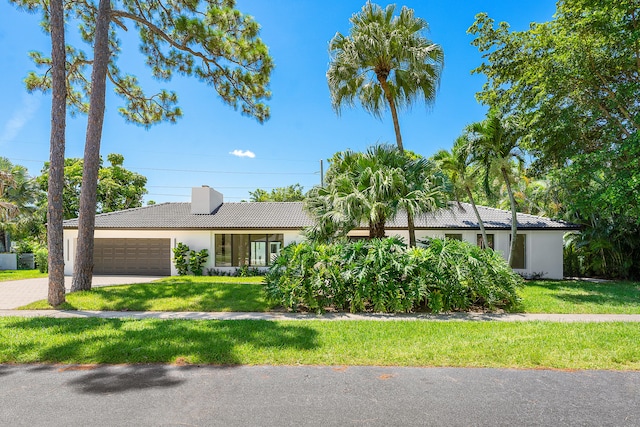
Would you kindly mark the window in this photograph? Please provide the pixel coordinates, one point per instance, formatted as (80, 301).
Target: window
(453, 236)
(238, 250)
(519, 254)
(223, 250)
(489, 238)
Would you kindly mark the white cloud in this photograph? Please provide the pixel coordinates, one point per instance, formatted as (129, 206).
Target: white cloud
(240, 153)
(20, 117)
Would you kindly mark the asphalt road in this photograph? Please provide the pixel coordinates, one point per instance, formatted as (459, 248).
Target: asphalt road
(159, 395)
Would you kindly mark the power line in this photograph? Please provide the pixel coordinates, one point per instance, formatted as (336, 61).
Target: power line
(190, 170)
(224, 172)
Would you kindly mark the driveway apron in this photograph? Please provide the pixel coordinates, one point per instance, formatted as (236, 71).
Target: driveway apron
(17, 293)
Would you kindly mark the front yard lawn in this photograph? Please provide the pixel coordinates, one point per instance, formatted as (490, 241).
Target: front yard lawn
(6, 275)
(254, 342)
(177, 293)
(189, 293)
(580, 297)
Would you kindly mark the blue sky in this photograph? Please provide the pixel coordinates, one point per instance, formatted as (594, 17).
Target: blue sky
(303, 127)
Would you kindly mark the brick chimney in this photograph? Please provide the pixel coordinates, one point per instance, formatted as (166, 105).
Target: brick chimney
(205, 200)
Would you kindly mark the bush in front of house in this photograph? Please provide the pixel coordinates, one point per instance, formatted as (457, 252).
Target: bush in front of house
(383, 275)
(186, 260)
(197, 261)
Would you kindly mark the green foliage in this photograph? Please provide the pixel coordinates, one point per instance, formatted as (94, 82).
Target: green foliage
(244, 271)
(180, 253)
(42, 259)
(197, 261)
(186, 260)
(24, 247)
(291, 193)
(371, 188)
(19, 217)
(572, 84)
(382, 275)
(208, 40)
(385, 61)
(118, 188)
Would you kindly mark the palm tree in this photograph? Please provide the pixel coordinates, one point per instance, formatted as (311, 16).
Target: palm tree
(385, 61)
(372, 187)
(494, 146)
(18, 194)
(457, 164)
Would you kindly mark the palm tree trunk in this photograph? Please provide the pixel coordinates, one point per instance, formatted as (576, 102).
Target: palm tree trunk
(377, 230)
(396, 127)
(55, 240)
(514, 218)
(412, 230)
(83, 268)
(394, 112)
(485, 240)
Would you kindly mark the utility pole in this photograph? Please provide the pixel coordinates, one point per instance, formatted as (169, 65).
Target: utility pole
(321, 173)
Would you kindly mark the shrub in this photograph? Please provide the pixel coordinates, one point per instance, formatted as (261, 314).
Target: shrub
(382, 275)
(197, 261)
(180, 253)
(42, 259)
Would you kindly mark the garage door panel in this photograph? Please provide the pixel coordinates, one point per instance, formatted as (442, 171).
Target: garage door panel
(132, 256)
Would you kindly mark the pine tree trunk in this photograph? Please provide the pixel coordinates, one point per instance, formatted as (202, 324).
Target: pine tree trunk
(485, 240)
(55, 240)
(83, 268)
(514, 219)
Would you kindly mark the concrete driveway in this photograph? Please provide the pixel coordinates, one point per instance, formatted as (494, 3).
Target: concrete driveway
(17, 293)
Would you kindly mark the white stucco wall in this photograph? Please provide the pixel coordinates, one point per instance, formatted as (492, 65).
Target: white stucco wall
(543, 249)
(195, 239)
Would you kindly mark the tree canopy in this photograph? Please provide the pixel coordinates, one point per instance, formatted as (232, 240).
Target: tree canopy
(371, 188)
(290, 193)
(118, 187)
(385, 61)
(573, 85)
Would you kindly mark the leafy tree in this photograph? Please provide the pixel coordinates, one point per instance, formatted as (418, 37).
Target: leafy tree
(291, 193)
(117, 187)
(209, 40)
(457, 164)
(371, 188)
(573, 82)
(385, 62)
(494, 146)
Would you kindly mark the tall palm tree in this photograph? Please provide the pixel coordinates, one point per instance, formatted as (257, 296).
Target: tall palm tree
(457, 164)
(494, 146)
(385, 61)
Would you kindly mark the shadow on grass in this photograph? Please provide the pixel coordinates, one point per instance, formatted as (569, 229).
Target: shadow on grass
(179, 296)
(582, 293)
(116, 341)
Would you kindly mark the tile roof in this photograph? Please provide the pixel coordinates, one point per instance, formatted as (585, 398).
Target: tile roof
(291, 215)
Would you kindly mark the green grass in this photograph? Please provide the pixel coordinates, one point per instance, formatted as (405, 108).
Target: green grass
(189, 293)
(177, 293)
(580, 297)
(397, 343)
(6, 275)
